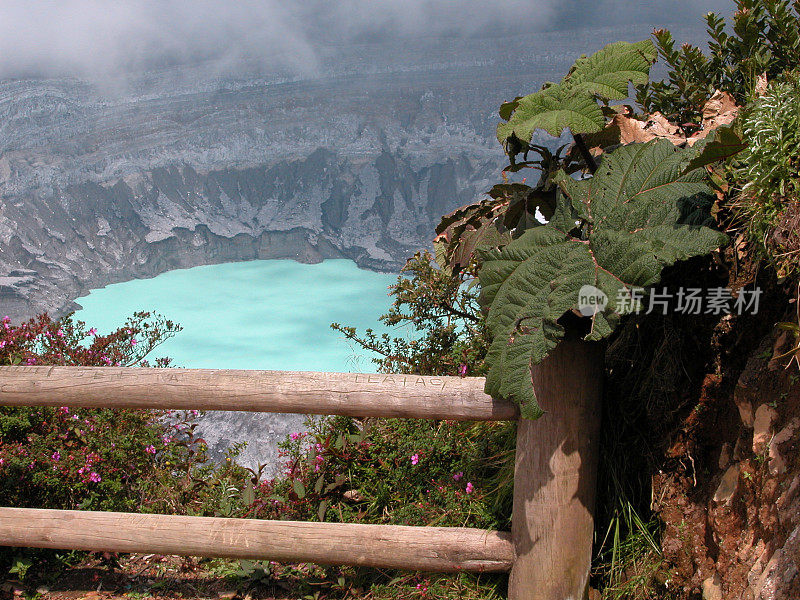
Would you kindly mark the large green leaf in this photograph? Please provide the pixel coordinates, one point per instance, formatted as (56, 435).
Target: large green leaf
(720, 145)
(607, 73)
(553, 109)
(572, 104)
(630, 215)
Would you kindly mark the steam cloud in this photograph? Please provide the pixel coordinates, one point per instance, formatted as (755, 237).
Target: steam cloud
(100, 37)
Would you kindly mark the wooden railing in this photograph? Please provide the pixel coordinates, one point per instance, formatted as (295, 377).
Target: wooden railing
(547, 552)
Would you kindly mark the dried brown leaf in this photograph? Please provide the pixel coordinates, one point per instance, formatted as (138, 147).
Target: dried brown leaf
(761, 85)
(721, 109)
(655, 126)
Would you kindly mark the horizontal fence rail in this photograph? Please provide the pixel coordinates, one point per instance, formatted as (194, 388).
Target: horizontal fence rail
(439, 549)
(353, 394)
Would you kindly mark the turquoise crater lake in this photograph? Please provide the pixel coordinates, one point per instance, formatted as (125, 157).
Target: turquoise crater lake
(262, 314)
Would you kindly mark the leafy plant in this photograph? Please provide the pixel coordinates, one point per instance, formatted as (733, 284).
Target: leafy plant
(573, 103)
(20, 566)
(615, 231)
(770, 168)
(254, 572)
(762, 41)
(578, 103)
(508, 211)
(444, 330)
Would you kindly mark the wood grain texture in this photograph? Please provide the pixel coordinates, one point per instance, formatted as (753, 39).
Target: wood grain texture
(555, 477)
(439, 549)
(351, 394)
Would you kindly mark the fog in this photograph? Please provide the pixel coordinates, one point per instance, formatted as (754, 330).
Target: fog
(96, 38)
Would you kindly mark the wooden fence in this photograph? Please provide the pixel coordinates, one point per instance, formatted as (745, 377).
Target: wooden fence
(548, 551)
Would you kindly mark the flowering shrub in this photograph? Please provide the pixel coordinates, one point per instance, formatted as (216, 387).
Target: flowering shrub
(407, 472)
(100, 459)
(341, 470)
(390, 471)
(45, 341)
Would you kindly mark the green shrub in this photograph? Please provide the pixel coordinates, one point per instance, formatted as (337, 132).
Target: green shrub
(770, 170)
(391, 471)
(102, 459)
(763, 38)
(442, 329)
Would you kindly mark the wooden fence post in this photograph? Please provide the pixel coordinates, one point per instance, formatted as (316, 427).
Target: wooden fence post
(555, 477)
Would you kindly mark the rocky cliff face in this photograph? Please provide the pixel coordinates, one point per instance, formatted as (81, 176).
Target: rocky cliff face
(732, 525)
(376, 211)
(113, 180)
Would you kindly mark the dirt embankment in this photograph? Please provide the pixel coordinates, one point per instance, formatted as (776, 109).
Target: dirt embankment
(729, 494)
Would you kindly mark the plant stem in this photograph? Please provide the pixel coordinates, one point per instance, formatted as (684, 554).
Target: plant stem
(580, 143)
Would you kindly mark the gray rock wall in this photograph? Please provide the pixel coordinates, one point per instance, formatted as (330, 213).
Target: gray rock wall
(110, 180)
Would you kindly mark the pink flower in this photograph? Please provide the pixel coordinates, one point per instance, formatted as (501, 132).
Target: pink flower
(94, 477)
(150, 449)
(2, 344)
(469, 488)
(294, 436)
(458, 476)
(414, 459)
(133, 342)
(93, 331)
(56, 455)
(60, 333)
(462, 370)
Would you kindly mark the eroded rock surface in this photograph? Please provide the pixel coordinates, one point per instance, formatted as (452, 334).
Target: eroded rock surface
(102, 182)
(733, 531)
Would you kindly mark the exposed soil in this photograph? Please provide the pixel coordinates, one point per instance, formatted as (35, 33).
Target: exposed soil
(142, 576)
(727, 481)
(730, 505)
